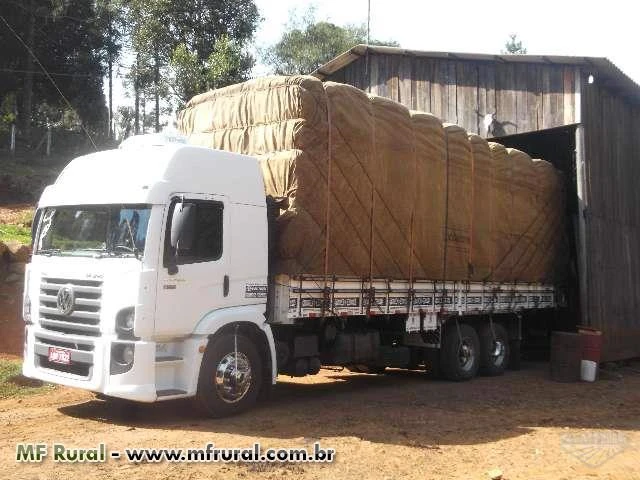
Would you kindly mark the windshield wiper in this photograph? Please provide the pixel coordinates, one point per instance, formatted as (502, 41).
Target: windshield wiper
(112, 252)
(133, 240)
(124, 249)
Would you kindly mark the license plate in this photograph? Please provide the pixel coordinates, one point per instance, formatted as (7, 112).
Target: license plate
(59, 355)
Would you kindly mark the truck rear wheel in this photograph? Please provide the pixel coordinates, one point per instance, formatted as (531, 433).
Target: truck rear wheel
(494, 350)
(460, 358)
(230, 376)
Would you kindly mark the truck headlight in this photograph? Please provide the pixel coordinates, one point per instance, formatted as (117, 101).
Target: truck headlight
(26, 309)
(125, 322)
(26, 301)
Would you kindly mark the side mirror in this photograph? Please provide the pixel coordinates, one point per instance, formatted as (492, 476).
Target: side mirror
(183, 224)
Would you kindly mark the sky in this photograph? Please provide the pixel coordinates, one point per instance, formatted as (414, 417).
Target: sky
(546, 27)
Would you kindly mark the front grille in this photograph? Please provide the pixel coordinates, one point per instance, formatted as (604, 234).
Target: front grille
(84, 318)
(64, 343)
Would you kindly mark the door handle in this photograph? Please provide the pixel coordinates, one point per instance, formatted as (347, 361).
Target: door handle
(225, 286)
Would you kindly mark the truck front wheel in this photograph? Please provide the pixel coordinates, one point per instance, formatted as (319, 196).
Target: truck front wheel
(460, 358)
(230, 376)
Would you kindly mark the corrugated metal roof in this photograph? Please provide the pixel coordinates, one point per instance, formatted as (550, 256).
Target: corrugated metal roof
(602, 68)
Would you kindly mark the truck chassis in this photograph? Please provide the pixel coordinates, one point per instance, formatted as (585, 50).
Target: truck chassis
(369, 325)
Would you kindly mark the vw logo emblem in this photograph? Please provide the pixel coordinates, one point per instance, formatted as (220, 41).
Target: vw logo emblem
(65, 300)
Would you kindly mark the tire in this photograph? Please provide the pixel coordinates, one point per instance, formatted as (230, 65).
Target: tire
(514, 355)
(218, 393)
(494, 353)
(433, 359)
(460, 355)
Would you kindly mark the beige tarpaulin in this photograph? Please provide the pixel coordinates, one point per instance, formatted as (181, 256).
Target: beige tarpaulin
(482, 255)
(458, 213)
(368, 189)
(431, 193)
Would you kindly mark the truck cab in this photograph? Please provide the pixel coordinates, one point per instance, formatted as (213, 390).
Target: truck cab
(147, 260)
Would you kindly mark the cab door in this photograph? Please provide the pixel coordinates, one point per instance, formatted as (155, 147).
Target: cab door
(193, 278)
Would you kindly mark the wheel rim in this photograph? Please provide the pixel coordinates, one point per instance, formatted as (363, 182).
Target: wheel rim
(498, 352)
(233, 377)
(466, 355)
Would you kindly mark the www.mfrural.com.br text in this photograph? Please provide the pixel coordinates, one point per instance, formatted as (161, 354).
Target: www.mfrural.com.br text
(59, 452)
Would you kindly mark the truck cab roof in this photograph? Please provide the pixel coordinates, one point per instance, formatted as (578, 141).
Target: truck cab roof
(149, 174)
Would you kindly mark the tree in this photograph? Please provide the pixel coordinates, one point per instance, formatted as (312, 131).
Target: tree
(184, 48)
(514, 46)
(151, 36)
(111, 21)
(124, 119)
(66, 40)
(307, 44)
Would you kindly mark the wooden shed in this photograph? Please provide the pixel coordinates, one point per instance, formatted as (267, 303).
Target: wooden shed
(581, 113)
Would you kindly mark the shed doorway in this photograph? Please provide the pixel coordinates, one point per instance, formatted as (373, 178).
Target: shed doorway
(558, 146)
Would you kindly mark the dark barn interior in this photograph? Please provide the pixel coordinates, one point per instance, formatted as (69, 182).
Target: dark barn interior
(557, 145)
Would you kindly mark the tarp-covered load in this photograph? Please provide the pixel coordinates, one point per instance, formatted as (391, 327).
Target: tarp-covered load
(367, 188)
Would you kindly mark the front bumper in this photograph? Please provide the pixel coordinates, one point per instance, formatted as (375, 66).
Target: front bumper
(90, 364)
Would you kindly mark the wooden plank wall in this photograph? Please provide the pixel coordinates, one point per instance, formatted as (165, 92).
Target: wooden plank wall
(612, 164)
(524, 96)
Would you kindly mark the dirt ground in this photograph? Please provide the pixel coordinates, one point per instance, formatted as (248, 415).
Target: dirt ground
(11, 324)
(399, 425)
(14, 213)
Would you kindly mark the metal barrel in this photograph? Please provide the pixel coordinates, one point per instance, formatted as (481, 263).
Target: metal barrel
(591, 344)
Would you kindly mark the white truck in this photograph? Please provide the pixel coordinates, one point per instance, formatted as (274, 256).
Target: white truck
(149, 281)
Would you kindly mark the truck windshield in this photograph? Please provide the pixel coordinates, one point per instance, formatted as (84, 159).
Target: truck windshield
(93, 230)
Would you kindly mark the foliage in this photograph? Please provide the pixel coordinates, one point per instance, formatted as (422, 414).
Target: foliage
(185, 48)
(111, 21)
(180, 49)
(228, 63)
(7, 112)
(513, 46)
(13, 384)
(15, 233)
(307, 44)
(67, 40)
(187, 71)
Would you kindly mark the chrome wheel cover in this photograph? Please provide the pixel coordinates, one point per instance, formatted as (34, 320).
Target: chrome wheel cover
(466, 355)
(233, 377)
(498, 352)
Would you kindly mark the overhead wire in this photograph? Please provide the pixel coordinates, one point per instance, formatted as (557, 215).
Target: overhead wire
(53, 74)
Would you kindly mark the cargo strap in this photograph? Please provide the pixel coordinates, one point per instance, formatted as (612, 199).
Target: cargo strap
(327, 223)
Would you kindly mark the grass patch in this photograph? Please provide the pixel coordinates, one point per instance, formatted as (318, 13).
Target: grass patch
(18, 233)
(13, 384)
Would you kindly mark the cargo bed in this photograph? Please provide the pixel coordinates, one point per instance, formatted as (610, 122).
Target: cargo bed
(312, 296)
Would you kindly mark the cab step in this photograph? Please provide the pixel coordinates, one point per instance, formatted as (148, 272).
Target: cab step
(168, 360)
(170, 392)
